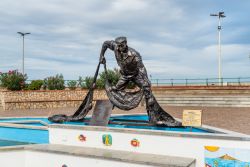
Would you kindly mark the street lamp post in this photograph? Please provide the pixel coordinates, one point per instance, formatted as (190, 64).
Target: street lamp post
(219, 15)
(23, 34)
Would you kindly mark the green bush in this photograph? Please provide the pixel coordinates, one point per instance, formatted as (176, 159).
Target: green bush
(54, 82)
(81, 82)
(35, 85)
(13, 80)
(88, 82)
(113, 77)
(100, 84)
(72, 84)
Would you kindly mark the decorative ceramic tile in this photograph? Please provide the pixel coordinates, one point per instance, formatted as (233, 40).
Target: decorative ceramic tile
(82, 138)
(135, 143)
(228, 157)
(107, 139)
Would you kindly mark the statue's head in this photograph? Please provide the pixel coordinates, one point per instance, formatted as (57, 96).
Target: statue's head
(121, 43)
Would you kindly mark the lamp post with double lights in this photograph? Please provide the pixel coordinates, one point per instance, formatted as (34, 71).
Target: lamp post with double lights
(23, 34)
(219, 15)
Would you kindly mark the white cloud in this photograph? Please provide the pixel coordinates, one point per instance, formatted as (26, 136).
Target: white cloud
(129, 5)
(176, 39)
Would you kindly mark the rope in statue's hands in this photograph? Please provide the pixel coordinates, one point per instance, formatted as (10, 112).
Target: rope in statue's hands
(103, 61)
(95, 77)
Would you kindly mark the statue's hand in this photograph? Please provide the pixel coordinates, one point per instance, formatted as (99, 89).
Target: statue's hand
(94, 86)
(102, 60)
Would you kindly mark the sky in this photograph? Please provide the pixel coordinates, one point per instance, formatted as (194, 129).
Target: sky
(176, 38)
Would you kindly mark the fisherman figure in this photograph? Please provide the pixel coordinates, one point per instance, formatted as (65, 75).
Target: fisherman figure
(132, 69)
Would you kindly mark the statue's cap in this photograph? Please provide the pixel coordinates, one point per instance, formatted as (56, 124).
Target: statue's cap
(120, 39)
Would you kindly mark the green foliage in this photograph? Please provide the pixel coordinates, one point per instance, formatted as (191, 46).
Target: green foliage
(88, 82)
(113, 77)
(72, 84)
(100, 84)
(81, 83)
(54, 82)
(35, 85)
(13, 80)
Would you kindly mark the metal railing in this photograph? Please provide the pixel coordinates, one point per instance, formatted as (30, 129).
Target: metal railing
(240, 81)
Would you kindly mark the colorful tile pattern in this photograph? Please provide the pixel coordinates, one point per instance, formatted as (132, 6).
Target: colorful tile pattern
(229, 157)
(107, 139)
(135, 143)
(82, 138)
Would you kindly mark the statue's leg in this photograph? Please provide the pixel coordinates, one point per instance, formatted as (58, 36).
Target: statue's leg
(143, 82)
(121, 84)
(157, 116)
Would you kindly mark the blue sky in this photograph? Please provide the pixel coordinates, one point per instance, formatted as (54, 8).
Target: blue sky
(176, 38)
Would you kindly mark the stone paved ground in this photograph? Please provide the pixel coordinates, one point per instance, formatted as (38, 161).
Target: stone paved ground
(231, 118)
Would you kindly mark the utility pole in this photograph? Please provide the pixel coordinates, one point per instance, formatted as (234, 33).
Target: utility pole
(219, 15)
(23, 34)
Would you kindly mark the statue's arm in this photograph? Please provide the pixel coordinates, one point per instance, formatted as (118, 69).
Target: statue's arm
(140, 64)
(106, 45)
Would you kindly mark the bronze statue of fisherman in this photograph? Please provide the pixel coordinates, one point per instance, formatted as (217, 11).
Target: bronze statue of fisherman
(133, 70)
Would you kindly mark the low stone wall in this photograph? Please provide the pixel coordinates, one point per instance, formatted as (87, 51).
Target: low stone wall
(46, 99)
(12, 100)
(1, 100)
